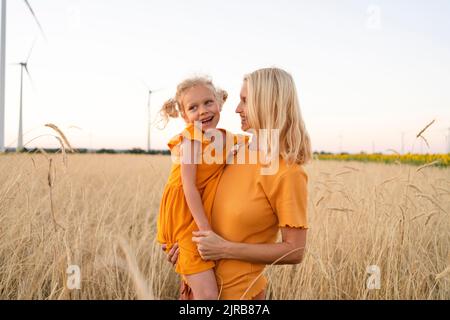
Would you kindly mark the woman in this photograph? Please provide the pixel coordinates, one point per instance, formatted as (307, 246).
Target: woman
(250, 207)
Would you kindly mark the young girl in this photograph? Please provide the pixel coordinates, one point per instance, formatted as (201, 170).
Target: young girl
(187, 198)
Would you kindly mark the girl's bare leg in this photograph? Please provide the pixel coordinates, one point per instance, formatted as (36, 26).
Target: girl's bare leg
(203, 285)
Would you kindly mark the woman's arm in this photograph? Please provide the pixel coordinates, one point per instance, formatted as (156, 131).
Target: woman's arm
(290, 251)
(190, 151)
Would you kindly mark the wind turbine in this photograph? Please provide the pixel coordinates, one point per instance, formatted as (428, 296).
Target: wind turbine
(2, 64)
(149, 124)
(2, 74)
(23, 66)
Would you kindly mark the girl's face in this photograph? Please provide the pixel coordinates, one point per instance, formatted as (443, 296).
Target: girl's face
(242, 107)
(200, 104)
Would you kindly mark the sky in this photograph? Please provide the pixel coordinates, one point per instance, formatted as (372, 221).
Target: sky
(366, 71)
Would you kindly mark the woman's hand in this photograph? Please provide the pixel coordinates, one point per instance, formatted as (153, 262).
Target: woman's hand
(172, 255)
(210, 245)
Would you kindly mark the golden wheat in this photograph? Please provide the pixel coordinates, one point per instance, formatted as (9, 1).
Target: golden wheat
(390, 216)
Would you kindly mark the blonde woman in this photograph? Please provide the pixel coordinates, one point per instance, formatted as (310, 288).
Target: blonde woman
(250, 208)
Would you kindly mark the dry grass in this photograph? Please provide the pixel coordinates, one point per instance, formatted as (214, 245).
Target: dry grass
(98, 211)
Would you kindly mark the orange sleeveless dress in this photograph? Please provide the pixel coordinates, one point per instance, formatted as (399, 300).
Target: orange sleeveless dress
(175, 222)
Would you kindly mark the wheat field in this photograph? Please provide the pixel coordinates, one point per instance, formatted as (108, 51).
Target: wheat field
(98, 212)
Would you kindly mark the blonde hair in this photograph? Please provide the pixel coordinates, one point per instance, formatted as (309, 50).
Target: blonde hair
(272, 103)
(173, 107)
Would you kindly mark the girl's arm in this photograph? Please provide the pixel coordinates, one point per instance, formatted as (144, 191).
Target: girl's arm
(191, 151)
(290, 251)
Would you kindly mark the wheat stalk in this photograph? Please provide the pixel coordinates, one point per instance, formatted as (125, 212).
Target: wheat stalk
(341, 209)
(61, 134)
(443, 273)
(143, 291)
(394, 151)
(343, 172)
(423, 130)
(428, 165)
(51, 179)
(262, 272)
(431, 200)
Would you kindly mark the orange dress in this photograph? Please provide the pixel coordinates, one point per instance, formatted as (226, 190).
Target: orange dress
(175, 222)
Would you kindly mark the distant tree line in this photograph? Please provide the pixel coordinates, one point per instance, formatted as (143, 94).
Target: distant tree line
(85, 150)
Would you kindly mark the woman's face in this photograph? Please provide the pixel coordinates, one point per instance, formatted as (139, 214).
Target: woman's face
(242, 107)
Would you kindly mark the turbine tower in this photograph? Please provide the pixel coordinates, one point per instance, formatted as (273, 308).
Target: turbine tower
(2, 64)
(149, 120)
(149, 123)
(23, 66)
(2, 73)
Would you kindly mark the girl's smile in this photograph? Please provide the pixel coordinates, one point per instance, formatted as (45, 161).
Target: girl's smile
(201, 105)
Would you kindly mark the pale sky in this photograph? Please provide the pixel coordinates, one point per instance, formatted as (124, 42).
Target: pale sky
(366, 71)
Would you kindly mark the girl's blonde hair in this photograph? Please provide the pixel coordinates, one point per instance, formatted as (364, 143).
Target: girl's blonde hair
(272, 103)
(173, 107)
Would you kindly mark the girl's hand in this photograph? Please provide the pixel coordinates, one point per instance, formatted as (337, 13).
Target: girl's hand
(172, 255)
(210, 245)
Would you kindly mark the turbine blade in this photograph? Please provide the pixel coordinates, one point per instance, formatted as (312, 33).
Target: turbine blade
(29, 76)
(35, 18)
(31, 49)
(145, 85)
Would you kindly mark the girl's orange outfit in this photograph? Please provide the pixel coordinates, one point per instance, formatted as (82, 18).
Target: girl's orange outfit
(175, 221)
